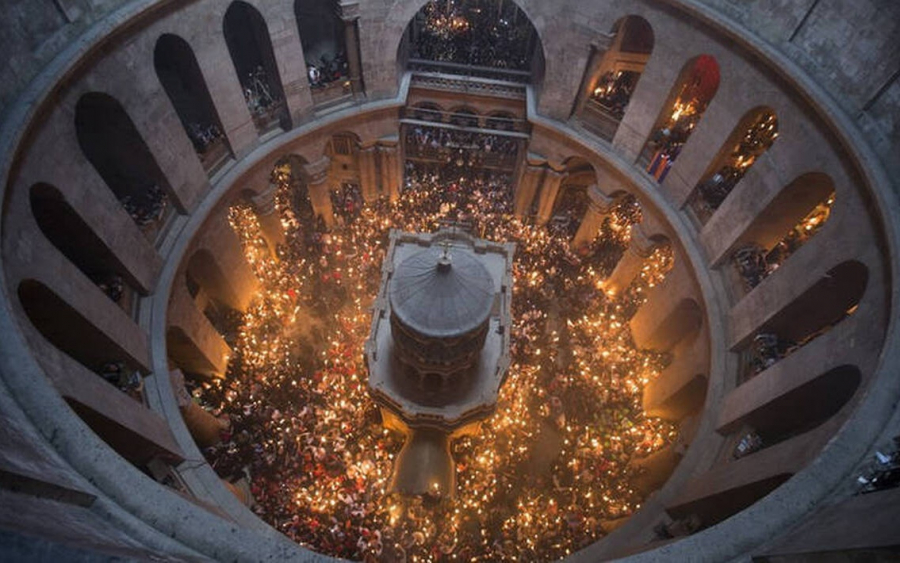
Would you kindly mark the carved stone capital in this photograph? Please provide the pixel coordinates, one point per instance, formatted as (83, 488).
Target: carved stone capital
(348, 10)
(316, 172)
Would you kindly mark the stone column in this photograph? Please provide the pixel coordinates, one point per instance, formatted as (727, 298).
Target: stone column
(599, 48)
(348, 11)
(526, 189)
(269, 219)
(368, 173)
(315, 174)
(549, 191)
(390, 169)
(599, 206)
(629, 266)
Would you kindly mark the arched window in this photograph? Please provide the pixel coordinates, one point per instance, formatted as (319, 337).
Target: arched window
(112, 144)
(752, 137)
(78, 242)
(77, 337)
(346, 193)
(798, 411)
(826, 303)
(428, 111)
(324, 48)
(572, 200)
(611, 80)
(213, 294)
(464, 117)
(489, 39)
(502, 121)
(251, 51)
(180, 75)
(793, 217)
(693, 91)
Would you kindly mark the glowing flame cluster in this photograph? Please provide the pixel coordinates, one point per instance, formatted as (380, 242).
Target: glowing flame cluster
(547, 471)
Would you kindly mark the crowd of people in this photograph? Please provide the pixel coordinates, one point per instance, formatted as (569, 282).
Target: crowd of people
(148, 207)
(462, 148)
(547, 470)
(489, 33)
(613, 92)
(754, 263)
(328, 70)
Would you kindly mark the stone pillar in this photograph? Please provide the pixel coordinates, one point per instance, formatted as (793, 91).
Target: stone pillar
(526, 189)
(390, 169)
(348, 11)
(599, 48)
(205, 428)
(368, 173)
(549, 191)
(315, 174)
(599, 206)
(269, 219)
(629, 266)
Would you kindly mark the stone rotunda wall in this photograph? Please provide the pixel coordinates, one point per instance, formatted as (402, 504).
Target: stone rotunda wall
(836, 96)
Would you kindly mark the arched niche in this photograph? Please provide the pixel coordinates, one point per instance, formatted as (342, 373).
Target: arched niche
(501, 121)
(688, 99)
(181, 78)
(827, 302)
(572, 201)
(804, 408)
(428, 111)
(323, 39)
(78, 242)
(799, 211)
(113, 145)
(345, 173)
(70, 332)
(491, 39)
(464, 117)
(611, 78)
(750, 139)
(184, 353)
(250, 46)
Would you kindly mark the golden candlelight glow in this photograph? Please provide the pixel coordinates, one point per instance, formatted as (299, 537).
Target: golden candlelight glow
(545, 471)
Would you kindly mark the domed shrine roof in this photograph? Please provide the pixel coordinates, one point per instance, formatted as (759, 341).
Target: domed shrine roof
(440, 293)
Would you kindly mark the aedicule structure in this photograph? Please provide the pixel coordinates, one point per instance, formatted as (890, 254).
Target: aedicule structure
(439, 347)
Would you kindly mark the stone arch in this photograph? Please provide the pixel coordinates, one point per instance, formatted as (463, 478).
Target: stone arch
(70, 332)
(688, 99)
(525, 65)
(501, 120)
(250, 46)
(180, 75)
(110, 141)
(78, 242)
(203, 272)
(611, 77)
(572, 201)
(321, 34)
(187, 356)
(827, 302)
(428, 111)
(799, 211)
(464, 116)
(751, 138)
(803, 408)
